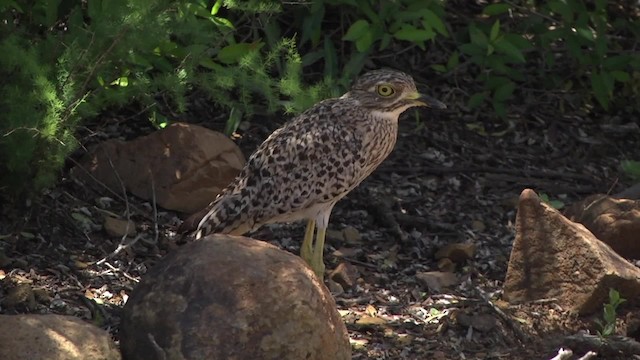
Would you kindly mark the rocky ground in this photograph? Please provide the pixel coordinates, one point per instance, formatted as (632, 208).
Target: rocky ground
(454, 177)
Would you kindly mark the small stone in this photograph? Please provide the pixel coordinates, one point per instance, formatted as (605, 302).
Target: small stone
(370, 320)
(335, 288)
(345, 274)
(80, 265)
(41, 295)
(348, 252)
(480, 322)
(437, 280)
(446, 265)
(458, 253)
(119, 227)
(22, 294)
(478, 226)
(335, 235)
(352, 235)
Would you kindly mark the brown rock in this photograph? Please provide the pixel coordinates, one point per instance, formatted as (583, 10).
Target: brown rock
(480, 322)
(21, 294)
(189, 166)
(436, 280)
(613, 221)
(446, 265)
(229, 297)
(53, 337)
(345, 274)
(553, 257)
(119, 227)
(457, 253)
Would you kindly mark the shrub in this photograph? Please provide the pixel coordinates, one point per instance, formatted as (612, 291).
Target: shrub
(66, 61)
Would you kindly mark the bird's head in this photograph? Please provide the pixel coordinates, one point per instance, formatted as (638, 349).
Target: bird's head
(389, 92)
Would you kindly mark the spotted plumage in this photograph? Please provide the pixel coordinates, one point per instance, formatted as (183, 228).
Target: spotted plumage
(303, 168)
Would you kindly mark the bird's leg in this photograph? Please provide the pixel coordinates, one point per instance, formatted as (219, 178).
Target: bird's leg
(305, 249)
(317, 261)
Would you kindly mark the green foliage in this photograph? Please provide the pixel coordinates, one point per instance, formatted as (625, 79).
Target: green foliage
(68, 60)
(631, 168)
(571, 45)
(608, 323)
(494, 52)
(366, 27)
(554, 203)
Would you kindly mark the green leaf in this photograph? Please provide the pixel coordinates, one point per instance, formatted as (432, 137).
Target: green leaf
(122, 81)
(355, 65)
(330, 59)
(385, 41)
(472, 49)
(621, 76)
(439, 68)
(233, 122)
(618, 62)
(504, 92)
(585, 33)
(496, 9)
(453, 61)
(499, 108)
(216, 7)
(364, 42)
(413, 34)
(561, 7)
(495, 30)
(477, 99)
(507, 48)
(631, 168)
(357, 30)
(435, 22)
(233, 53)
(477, 36)
(600, 89)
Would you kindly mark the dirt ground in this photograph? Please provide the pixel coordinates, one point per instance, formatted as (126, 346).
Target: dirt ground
(454, 177)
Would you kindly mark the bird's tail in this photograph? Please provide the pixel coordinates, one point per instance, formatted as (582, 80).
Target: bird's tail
(226, 215)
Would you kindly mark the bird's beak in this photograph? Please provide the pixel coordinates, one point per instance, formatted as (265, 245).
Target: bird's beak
(428, 101)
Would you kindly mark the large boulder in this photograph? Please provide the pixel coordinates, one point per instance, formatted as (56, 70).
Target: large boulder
(613, 221)
(53, 337)
(553, 257)
(184, 166)
(229, 297)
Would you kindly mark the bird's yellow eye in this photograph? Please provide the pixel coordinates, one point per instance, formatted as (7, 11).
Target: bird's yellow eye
(385, 90)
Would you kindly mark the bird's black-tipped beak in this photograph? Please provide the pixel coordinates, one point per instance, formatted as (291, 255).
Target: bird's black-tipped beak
(428, 101)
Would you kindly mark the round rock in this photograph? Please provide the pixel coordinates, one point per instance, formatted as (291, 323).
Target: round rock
(230, 297)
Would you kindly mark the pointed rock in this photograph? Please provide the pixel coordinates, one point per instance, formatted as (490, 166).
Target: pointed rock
(553, 257)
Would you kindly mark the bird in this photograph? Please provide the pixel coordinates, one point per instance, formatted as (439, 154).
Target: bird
(311, 162)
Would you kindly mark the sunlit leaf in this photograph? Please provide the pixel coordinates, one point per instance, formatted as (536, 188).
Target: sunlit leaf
(233, 53)
(357, 30)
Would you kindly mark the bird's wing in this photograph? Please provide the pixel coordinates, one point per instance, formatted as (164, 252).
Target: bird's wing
(315, 158)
